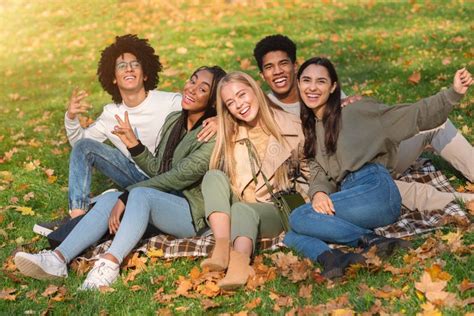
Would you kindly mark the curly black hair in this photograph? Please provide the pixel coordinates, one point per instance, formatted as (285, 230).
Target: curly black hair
(273, 43)
(144, 53)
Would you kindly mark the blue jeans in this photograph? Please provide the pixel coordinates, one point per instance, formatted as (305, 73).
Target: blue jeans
(168, 212)
(368, 198)
(88, 153)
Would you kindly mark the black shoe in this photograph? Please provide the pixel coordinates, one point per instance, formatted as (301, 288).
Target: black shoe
(384, 246)
(46, 228)
(335, 262)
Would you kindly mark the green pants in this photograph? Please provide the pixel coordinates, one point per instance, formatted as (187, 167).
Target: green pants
(250, 220)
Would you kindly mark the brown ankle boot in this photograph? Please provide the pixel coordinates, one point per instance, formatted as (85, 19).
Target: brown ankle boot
(238, 272)
(219, 259)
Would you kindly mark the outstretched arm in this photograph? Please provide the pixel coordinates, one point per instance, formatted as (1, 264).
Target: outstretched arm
(403, 121)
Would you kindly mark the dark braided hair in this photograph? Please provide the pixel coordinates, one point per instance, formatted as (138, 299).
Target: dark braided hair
(144, 53)
(331, 116)
(179, 127)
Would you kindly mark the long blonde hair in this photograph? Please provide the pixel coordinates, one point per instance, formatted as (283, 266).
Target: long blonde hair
(222, 157)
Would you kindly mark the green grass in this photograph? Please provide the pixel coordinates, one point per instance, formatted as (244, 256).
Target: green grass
(50, 47)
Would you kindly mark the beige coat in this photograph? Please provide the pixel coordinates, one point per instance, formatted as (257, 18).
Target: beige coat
(276, 154)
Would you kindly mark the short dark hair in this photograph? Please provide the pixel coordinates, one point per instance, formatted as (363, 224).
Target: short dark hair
(273, 43)
(144, 53)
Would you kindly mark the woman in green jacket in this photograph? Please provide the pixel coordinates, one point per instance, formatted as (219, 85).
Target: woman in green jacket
(353, 151)
(171, 199)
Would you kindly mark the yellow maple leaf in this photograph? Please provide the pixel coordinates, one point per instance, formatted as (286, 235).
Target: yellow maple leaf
(25, 210)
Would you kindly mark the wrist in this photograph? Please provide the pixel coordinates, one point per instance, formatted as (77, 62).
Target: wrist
(70, 115)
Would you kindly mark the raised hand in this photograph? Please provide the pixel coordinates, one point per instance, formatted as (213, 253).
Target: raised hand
(125, 132)
(76, 104)
(322, 204)
(462, 81)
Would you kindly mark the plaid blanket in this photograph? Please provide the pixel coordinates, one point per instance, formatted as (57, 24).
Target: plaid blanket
(409, 223)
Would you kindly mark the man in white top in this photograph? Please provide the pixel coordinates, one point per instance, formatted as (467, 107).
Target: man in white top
(128, 70)
(276, 59)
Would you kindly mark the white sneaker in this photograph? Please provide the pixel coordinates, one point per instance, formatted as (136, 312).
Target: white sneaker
(104, 273)
(42, 266)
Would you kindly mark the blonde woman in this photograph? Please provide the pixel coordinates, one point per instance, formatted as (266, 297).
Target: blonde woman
(254, 141)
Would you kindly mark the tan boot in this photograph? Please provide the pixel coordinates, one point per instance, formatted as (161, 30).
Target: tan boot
(238, 272)
(219, 259)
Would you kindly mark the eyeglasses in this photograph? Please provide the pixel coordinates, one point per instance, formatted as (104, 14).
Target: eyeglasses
(122, 66)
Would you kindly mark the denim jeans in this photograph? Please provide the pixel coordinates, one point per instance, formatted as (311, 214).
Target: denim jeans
(88, 153)
(368, 198)
(168, 212)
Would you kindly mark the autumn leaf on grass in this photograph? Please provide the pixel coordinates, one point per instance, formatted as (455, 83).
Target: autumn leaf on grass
(28, 196)
(305, 291)
(388, 292)
(7, 294)
(429, 310)
(106, 289)
(415, 77)
(433, 291)
(280, 301)
(291, 266)
(61, 294)
(182, 50)
(373, 262)
(454, 242)
(469, 187)
(465, 285)
(184, 286)
(437, 273)
(50, 290)
(24, 210)
(253, 303)
(32, 165)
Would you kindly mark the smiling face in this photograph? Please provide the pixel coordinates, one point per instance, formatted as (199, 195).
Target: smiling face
(315, 86)
(241, 102)
(128, 74)
(196, 91)
(279, 72)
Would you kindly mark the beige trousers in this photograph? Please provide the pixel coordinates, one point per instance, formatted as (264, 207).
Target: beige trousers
(452, 147)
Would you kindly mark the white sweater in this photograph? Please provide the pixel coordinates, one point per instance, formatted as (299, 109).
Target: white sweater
(147, 119)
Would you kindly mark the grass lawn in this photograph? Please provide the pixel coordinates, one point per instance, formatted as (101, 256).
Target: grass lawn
(50, 47)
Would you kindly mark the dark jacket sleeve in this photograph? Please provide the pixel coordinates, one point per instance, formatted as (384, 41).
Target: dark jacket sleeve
(404, 121)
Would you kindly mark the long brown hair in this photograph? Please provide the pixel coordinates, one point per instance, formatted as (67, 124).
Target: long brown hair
(331, 116)
(223, 155)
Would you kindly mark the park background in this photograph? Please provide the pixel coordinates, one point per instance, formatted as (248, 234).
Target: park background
(393, 51)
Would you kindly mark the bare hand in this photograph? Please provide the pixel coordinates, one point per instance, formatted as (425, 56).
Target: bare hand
(114, 218)
(76, 104)
(125, 132)
(462, 81)
(322, 204)
(350, 99)
(209, 129)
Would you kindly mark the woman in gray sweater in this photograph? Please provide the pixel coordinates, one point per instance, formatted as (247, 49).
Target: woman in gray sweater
(353, 150)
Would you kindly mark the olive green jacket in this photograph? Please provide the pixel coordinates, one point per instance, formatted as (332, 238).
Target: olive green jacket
(370, 133)
(190, 163)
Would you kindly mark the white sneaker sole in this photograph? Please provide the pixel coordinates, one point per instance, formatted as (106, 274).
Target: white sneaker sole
(43, 231)
(32, 270)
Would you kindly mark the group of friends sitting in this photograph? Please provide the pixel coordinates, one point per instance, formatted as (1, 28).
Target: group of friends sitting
(203, 158)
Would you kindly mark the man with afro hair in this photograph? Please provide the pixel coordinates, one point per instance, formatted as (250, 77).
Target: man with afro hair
(128, 70)
(276, 58)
